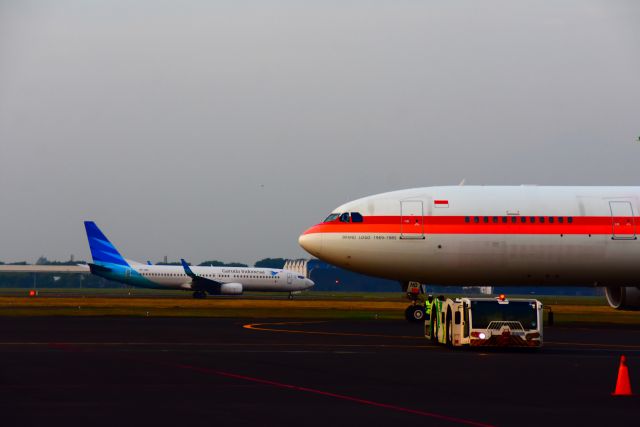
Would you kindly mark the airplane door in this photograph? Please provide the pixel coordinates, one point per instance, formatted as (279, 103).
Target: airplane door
(411, 219)
(289, 278)
(623, 222)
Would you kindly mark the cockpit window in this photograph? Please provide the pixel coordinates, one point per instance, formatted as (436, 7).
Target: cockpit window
(356, 217)
(331, 217)
(344, 217)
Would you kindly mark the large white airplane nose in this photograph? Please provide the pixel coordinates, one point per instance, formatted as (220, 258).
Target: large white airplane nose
(309, 283)
(311, 242)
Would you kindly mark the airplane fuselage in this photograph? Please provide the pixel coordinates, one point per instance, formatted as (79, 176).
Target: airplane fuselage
(174, 277)
(477, 235)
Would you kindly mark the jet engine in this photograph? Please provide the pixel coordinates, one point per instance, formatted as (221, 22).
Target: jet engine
(231, 289)
(623, 298)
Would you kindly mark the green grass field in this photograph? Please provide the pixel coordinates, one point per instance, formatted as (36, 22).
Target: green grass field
(316, 305)
(307, 295)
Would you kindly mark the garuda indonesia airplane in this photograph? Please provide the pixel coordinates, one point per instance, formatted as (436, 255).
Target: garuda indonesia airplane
(108, 263)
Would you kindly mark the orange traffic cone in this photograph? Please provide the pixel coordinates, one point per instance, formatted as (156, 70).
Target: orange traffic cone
(623, 386)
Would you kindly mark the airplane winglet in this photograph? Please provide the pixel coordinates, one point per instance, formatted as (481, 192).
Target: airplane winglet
(200, 282)
(187, 269)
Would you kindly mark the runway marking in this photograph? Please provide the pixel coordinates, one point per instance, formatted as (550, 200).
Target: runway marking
(178, 344)
(575, 328)
(334, 395)
(258, 327)
(242, 348)
(586, 344)
(630, 347)
(69, 347)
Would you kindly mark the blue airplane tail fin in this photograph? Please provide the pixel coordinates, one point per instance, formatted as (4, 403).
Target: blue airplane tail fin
(102, 250)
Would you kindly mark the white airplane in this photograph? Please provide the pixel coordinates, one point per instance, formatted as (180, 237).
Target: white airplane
(490, 235)
(108, 263)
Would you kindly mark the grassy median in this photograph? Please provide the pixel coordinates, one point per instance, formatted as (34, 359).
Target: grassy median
(316, 305)
(211, 307)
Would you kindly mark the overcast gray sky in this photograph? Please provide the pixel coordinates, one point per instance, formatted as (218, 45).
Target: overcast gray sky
(222, 129)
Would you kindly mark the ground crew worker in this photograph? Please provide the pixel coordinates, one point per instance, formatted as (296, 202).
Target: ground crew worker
(427, 316)
(437, 320)
(427, 307)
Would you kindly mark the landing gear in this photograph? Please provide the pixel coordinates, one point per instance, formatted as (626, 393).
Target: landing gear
(414, 313)
(290, 295)
(199, 294)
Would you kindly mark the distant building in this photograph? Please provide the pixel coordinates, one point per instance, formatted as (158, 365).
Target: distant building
(328, 277)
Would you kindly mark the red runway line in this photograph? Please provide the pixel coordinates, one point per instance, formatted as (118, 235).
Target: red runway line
(335, 395)
(68, 347)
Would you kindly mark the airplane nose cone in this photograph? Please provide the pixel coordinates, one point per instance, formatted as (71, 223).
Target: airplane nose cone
(309, 283)
(311, 242)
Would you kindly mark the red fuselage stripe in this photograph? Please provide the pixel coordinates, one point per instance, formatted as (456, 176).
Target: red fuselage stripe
(484, 225)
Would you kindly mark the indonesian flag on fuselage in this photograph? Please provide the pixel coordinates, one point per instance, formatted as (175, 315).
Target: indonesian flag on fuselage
(441, 203)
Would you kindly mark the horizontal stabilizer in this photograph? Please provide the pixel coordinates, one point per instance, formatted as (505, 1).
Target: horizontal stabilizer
(95, 269)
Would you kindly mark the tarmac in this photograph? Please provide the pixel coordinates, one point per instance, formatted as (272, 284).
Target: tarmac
(235, 372)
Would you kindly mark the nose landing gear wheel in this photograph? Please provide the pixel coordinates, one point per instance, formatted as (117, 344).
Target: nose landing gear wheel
(414, 313)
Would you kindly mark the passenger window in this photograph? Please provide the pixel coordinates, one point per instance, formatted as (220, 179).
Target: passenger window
(560, 219)
(523, 219)
(532, 219)
(467, 219)
(356, 217)
(495, 219)
(486, 219)
(504, 219)
(570, 220)
(550, 220)
(476, 219)
(514, 219)
(541, 220)
(344, 217)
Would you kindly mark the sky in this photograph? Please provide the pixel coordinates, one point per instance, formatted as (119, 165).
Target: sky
(223, 129)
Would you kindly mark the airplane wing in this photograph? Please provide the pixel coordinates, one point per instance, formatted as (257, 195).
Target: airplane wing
(199, 282)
